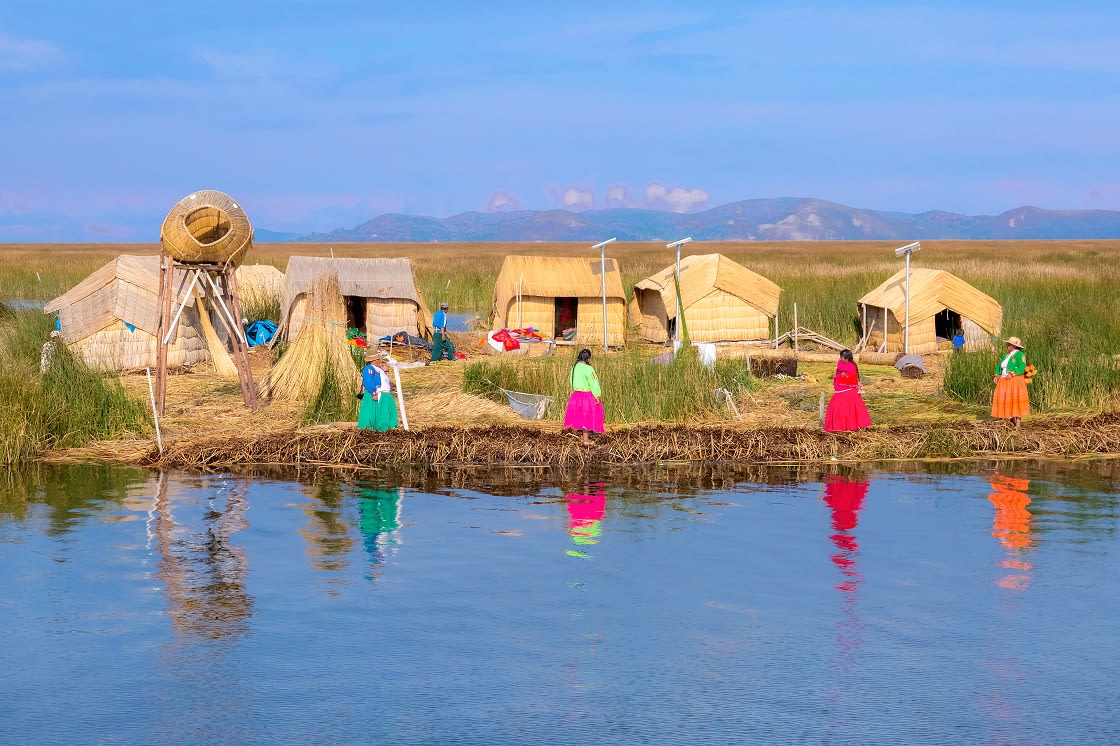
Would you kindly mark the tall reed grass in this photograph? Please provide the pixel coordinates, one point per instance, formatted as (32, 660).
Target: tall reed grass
(335, 400)
(261, 307)
(67, 406)
(635, 388)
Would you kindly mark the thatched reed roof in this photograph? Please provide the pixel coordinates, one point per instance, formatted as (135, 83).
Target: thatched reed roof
(702, 273)
(933, 291)
(207, 226)
(362, 278)
(555, 277)
(126, 288)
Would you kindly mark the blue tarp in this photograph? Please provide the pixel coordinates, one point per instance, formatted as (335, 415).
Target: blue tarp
(259, 332)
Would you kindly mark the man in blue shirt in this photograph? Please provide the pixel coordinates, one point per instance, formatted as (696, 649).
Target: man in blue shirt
(441, 344)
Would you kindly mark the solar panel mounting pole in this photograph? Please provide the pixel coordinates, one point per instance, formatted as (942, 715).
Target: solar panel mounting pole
(602, 247)
(908, 249)
(676, 292)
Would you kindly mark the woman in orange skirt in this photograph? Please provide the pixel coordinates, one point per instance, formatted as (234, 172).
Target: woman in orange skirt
(1011, 400)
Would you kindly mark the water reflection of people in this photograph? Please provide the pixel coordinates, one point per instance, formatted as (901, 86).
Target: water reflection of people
(585, 519)
(203, 575)
(379, 521)
(1011, 525)
(845, 498)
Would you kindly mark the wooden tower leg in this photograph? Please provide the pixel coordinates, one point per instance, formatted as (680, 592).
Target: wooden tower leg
(166, 293)
(240, 346)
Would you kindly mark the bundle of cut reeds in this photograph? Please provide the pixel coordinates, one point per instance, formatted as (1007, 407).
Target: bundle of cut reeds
(318, 350)
(223, 363)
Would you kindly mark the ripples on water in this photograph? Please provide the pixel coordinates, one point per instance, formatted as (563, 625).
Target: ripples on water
(666, 606)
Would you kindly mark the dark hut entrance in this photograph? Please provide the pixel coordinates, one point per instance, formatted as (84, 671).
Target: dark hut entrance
(946, 324)
(355, 312)
(566, 315)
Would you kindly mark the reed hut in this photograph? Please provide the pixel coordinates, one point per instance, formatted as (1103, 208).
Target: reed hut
(111, 318)
(722, 301)
(381, 295)
(940, 303)
(551, 294)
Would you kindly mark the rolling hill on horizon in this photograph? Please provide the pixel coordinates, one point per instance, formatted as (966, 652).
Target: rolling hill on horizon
(779, 219)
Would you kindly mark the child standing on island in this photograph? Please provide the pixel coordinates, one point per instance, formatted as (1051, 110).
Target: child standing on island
(585, 405)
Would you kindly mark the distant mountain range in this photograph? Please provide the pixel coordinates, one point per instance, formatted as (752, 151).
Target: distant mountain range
(781, 219)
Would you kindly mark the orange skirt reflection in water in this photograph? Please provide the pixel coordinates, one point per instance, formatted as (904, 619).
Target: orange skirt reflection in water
(1011, 525)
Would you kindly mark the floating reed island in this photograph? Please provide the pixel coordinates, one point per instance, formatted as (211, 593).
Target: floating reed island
(643, 444)
(757, 405)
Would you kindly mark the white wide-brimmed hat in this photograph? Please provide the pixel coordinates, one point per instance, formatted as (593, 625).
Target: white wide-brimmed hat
(1014, 342)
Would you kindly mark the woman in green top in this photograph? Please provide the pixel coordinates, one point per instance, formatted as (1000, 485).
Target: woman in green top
(1010, 400)
(585, 405)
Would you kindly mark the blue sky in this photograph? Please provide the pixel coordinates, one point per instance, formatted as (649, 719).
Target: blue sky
(318, 115)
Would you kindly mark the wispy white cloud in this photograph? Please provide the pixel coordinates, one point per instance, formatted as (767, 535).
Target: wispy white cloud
(618, 196)
(578, 199)
(501, 201)
(23, 55)
(675, 199)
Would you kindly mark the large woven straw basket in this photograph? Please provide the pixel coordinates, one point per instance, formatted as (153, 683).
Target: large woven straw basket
(207, 226)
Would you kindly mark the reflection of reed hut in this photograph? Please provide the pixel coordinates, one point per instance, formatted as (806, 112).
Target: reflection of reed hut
(111, 318)
(552, 294)
(722, 301)
(381, 294)
(940, 303)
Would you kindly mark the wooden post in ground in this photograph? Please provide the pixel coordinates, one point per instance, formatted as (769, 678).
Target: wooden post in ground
(821, 410)
(240, 344)
(863, 327)
(166, 292)
(795, 345)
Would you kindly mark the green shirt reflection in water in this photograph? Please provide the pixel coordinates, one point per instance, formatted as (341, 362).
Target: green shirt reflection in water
(379, 519)
(585, 520)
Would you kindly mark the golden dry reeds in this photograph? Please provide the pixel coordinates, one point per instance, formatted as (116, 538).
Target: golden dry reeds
(219, 356)
(318, 350)
(646, 444)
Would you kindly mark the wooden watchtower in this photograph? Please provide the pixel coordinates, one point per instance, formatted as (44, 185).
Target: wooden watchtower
(204, 237)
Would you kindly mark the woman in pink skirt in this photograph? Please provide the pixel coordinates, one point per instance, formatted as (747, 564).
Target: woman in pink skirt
(846, 410)
(585, 405)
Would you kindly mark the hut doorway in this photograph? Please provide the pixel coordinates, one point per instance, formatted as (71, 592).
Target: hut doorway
(946, 323)
(355, 312)
(566, 315)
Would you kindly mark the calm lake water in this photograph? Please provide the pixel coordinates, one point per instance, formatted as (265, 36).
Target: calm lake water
(664, 605)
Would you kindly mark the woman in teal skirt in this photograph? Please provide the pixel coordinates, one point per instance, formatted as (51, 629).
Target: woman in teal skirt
(377, 411)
